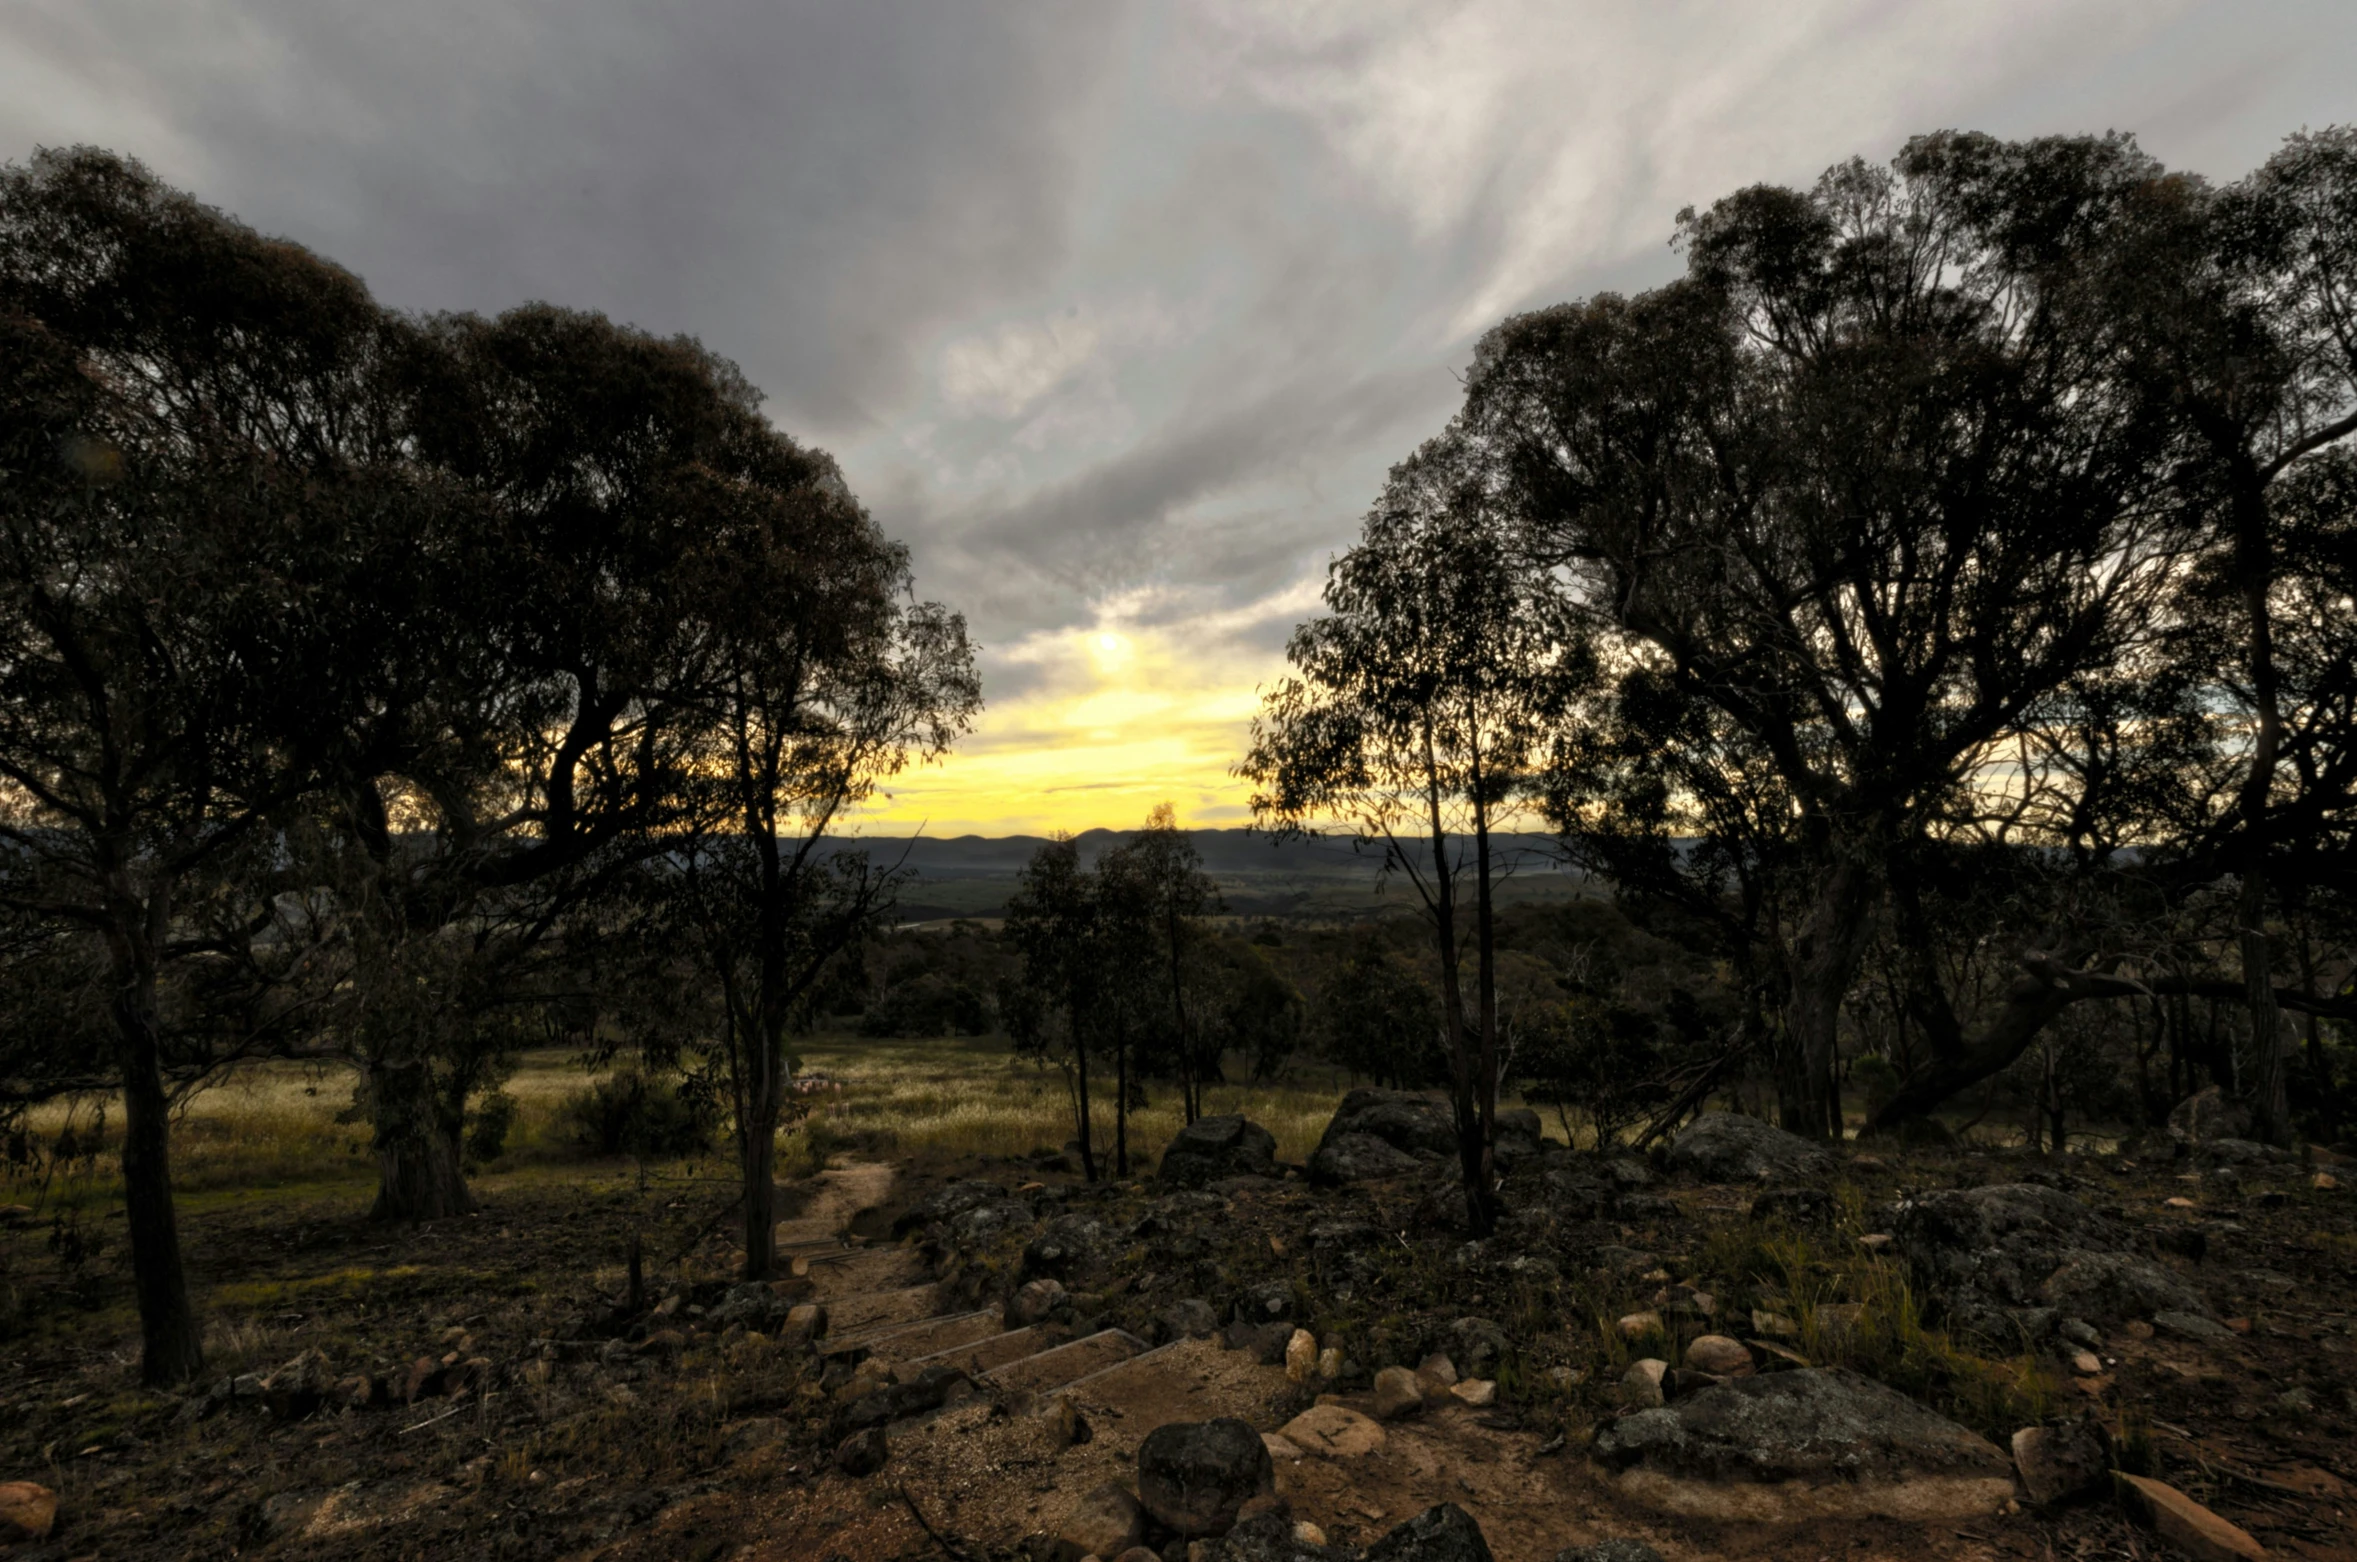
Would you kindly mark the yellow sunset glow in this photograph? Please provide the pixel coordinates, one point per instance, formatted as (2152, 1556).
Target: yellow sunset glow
(1116, 718)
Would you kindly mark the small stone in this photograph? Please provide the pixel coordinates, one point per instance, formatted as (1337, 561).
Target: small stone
(28, 1510)
(1301, 1356)
(1194, 1477)
(1307, 1534)
(1477, 1392)
(1446, 1533)
(1720, 1356)
(1439, 1368)
(1330, 1363)
(1107, 1522)
(1336, 1431)
(1641, 1385)
(1034, 1303)
(807, 1321)
(1139, 1554)
(1067, 1427)
(2324, 1182)
(1640, 1326)
(2187, 1525)
(862, 1453)
(1774, 1325)
(2179, 1202)
(2058, 1462)
(1875, 1241)
(2295, 1401)
(2086, 1363)
(1398, 1392)
(1564, 1379)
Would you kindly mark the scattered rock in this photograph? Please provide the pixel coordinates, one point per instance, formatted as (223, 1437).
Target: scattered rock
(945, 1204)
(1643, 1385)
(807, 1321)
(1271, 1536)
(1640, 1326)
(1194, 1476)
(751, 1305)
(1211, 1148)
(1443, 1534)
(1035, 1302)
(1398, 1393)
(984, 1224)
(1480, 1393)
(299, 1387)
(1067, 1427)
(1330, 1363)
(1727, 1147)
(1266, 1303)
(1070, 1246)
(1438, 1368)
(1774, 1325)
(2058, 1462)
(1336, 1431)
(1814, 1442)
(1358, 1158)
(1719, 1356)
(1477, 1346)
(1189, 1318)
(935, 1387)
(1616, 1550)
(2187, 1525)
(1407, 1120)
(2193, 1326)
(863, 1452)
(1799, 1206)
(2209, 1114)
(1107, 1522)
(28, 1510)
(1301, 1356)
(2112, 1287)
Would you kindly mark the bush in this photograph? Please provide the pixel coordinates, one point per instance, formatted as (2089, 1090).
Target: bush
(631, 1113)
(487, 1127)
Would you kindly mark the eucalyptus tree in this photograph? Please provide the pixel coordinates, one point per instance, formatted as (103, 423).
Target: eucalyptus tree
(1419, 704)
(1051, 921)
(194, 471)
(1877, 476)
(1181, 895)
(825, 681)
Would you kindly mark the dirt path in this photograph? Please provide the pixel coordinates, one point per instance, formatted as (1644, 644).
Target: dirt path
(843, 1191)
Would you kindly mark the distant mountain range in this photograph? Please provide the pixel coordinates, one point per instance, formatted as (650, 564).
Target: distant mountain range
(1322, 878)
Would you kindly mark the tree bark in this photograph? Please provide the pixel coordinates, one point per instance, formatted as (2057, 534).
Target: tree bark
(1472, 1152)
(171, 1344)
(1825, 961)
(418, 1171)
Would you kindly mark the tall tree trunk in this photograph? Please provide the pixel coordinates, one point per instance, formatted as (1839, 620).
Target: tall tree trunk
(418, 1171)
(171, 1344)
(1121, 1105)
(1088, 1148)
(1825, 960)
(1485, 937)
(1471, 1151)
(1189, 1088)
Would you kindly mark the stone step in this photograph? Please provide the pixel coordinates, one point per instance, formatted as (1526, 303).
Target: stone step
(1084, 1357)
(870, 1312)
(1107, 1383)
(901, 1342)
(986, 1354)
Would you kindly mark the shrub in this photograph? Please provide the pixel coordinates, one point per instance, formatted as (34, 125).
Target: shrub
(632, 1113)
(487, 1127)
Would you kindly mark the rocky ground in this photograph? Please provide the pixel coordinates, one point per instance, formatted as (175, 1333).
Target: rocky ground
(1740, 1346)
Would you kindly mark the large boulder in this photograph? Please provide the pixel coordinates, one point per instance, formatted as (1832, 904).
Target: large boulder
(1193, 1476)
(1728, 1147)
(1810, 1443)
(2115, 1287)
(1443, 1534)
(1981, 1248)
(1408, 1120)
(2208, 1115)
(1211, 1148)
(1105, 1523)
(1358, 1158)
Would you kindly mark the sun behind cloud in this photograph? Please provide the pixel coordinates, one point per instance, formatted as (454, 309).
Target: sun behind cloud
(1111, 718)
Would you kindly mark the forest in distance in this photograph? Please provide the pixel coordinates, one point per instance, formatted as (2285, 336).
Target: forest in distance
(1919, 644)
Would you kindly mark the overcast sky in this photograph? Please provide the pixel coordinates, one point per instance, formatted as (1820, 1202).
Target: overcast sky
(1117, 313)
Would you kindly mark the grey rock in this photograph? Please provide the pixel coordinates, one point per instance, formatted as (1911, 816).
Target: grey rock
(1979, 1251)
(1266, 1537)
(1476, 1345)
(1345, 1158)
(1188, 1318)
(1616, 1550)
(984, 1224)
(1517, 1138)
(1265, 1342)
(1193, 1476)
(2114, 1287)
(2208, 1115)
(1035, 1302)
(1106, 1523)
(1728, 1147)
(1443, 1534)
(1067, 1247)
(2193, 1326)
(1268, 1302)
(944, 1204)
(1814, 1424)
(2059, 1462)
(1212, 1148)
(1407, 1120)
(863, 1452)
(898, 1401)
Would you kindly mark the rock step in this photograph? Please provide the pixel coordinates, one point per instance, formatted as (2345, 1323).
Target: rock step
(1084, 1357)
(978, 1357)
(871, 1312)
(1112, 1383)
(925, 1337)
